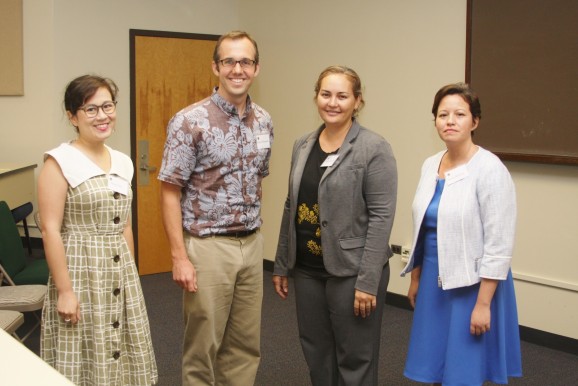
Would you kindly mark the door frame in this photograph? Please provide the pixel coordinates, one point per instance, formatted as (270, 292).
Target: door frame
(133, 34)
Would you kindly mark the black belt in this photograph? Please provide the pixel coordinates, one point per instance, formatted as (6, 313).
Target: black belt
(237, 235)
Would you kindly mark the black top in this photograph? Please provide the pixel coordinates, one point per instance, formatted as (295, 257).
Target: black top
(309, 251)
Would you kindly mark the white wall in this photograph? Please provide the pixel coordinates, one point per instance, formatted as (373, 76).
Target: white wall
(403, 50)
(94, 37)
(26, 125)
(64, 39)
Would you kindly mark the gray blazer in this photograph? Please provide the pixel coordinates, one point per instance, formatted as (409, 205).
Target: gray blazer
(357, 198)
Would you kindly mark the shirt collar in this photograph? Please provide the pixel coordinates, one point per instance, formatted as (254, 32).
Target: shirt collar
(227, 106)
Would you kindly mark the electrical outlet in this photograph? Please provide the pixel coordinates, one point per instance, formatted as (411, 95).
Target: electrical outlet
(405, 253)
(396, 249)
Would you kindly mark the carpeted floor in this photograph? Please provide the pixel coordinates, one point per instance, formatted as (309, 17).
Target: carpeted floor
(282, 362)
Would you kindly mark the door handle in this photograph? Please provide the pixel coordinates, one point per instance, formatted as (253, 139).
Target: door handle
(144, 169)
(147, 168)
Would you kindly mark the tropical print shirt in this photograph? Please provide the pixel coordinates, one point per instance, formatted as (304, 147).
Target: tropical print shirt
(219, 159)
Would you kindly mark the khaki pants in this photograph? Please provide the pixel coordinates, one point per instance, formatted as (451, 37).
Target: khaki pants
(223, 318)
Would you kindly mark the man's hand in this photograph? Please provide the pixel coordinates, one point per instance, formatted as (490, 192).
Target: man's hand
(185, 275)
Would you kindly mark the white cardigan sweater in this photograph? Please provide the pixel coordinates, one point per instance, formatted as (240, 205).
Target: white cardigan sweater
(476, 219)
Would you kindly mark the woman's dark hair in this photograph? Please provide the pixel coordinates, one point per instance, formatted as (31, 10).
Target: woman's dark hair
(463, 90)
(83, 88)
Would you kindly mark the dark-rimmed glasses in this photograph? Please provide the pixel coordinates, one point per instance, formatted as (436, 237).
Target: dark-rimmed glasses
(230, 62)
(91, 111)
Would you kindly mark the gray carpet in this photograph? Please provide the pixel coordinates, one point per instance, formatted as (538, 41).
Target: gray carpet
(282, 362)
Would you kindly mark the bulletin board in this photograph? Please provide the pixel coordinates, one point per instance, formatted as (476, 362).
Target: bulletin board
(11, 48)
(522, 60)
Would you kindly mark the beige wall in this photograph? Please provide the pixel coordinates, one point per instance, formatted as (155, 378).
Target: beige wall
(403, 50)
(67, 38)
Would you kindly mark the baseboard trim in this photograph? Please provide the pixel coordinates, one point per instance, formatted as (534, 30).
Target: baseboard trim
(268, 265)
(550, 340)
(398, 300)
(527, 334)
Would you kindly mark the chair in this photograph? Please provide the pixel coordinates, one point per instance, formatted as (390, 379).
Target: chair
(16, 269)
(10, 321)
(23, 298)
(20, 214)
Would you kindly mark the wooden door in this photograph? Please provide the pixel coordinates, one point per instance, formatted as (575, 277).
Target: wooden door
(169, 72)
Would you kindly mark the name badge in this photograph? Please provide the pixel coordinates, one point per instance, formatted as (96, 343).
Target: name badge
(263, 141)
(117, 184)
(456, 174)
(330, 160)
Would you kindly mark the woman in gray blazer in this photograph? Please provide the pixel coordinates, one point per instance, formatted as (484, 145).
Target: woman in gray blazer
(335, 235)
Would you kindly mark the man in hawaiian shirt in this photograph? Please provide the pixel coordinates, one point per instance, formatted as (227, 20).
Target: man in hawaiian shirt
(216, 154)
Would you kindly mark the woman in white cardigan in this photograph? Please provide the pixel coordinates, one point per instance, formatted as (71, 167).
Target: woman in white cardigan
(465, 326)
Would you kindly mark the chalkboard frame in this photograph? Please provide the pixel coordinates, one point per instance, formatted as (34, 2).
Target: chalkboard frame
(518, 151)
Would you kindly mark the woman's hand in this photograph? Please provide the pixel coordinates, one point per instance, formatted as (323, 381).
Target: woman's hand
(480, 322)
(281, 284)
(414, 285)
(68, 307)
(412, 292)
(481, 315)
(364, 303)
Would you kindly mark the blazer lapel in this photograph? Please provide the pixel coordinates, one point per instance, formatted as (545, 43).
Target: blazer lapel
(300, 162)
(345, 149)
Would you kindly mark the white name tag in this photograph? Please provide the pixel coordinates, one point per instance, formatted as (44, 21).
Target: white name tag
(117, 184)
(263, 141)
(330, 160)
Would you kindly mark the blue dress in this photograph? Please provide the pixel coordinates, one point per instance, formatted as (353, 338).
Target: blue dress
(441, 348)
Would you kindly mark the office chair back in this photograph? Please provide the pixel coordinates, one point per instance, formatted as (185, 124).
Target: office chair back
(20, 214)
(12, 255)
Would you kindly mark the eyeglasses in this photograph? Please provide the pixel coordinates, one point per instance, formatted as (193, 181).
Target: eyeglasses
(91, 111)
(230, 62)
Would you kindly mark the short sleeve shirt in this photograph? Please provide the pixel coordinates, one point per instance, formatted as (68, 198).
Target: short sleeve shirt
(219, 159)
